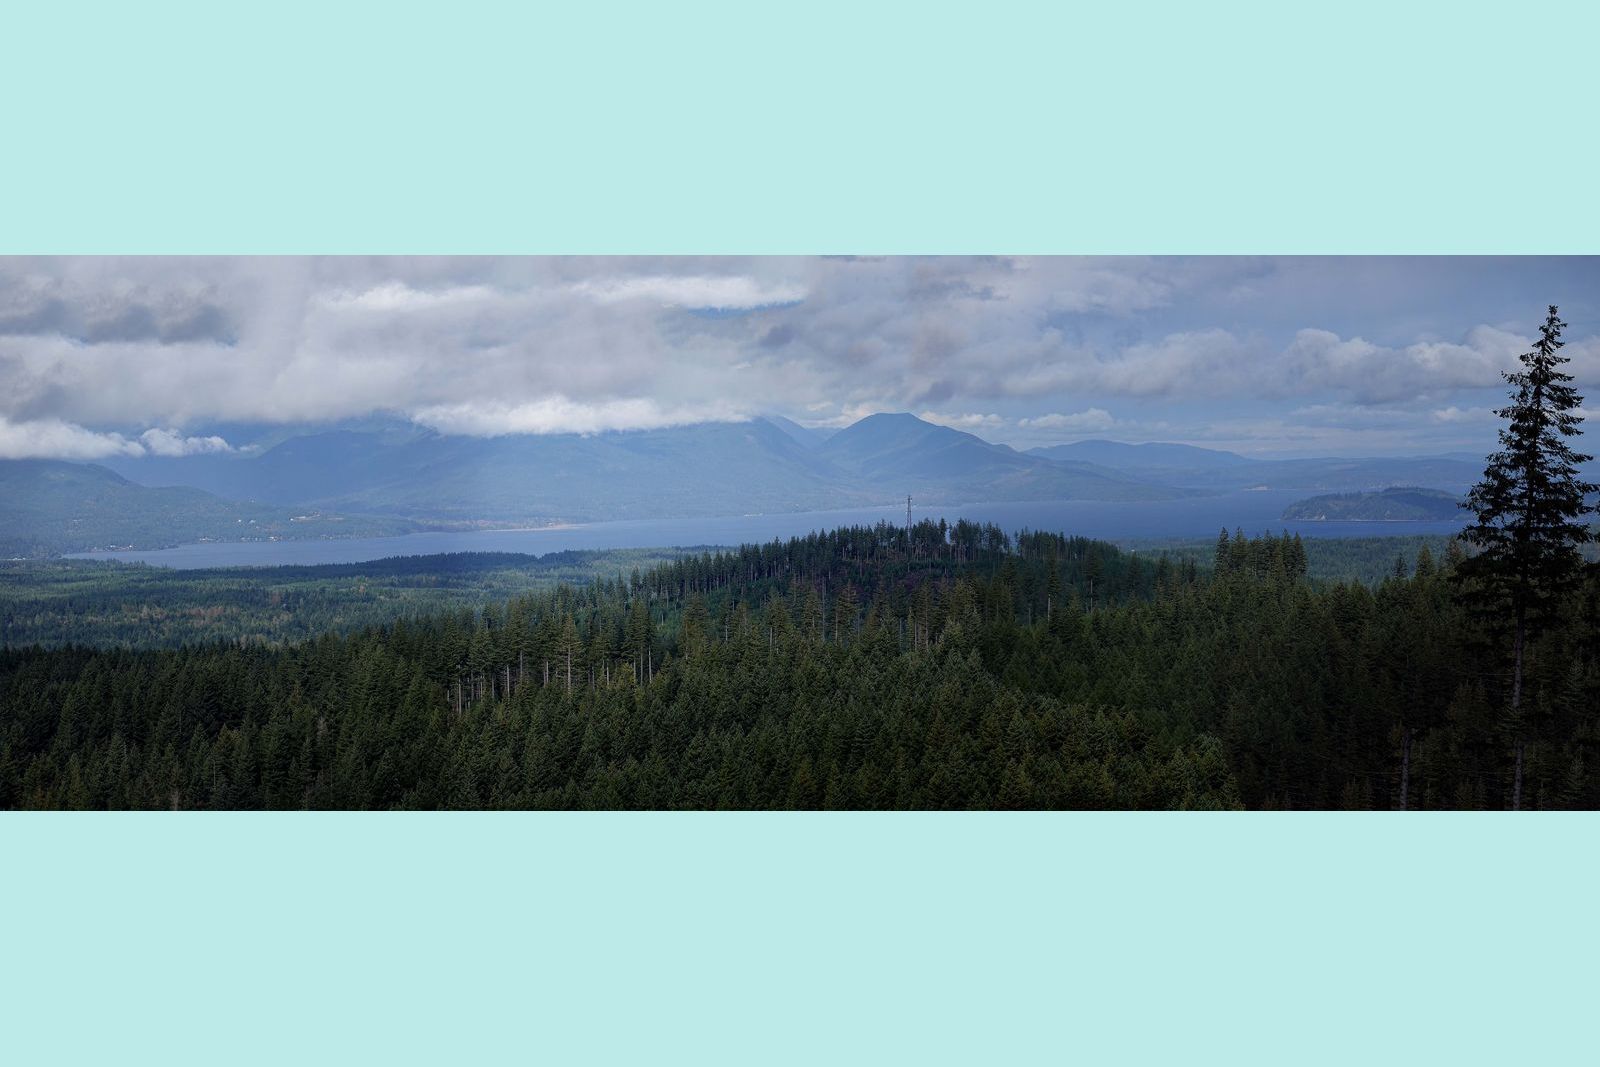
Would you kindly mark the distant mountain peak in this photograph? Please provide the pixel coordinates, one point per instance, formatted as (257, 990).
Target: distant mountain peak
(809, 436)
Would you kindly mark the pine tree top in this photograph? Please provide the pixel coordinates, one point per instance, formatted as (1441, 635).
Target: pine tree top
(1530, 504)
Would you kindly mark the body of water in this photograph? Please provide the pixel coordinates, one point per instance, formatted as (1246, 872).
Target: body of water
(1254, 512)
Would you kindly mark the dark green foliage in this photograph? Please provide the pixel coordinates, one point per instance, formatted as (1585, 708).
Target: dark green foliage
(1530, 504)
(1529, 507)
(107, 604)
(864, 668)
(1327, 559)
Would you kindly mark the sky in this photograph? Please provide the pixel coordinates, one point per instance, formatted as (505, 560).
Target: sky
(1270, 356)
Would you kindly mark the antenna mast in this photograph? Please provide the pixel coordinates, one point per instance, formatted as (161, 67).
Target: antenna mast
(908, 516)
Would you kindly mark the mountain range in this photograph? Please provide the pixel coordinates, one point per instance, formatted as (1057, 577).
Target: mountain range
(392, 475)
(715, 468)
(49, 506)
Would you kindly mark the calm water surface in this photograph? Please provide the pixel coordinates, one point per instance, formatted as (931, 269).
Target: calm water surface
(1255, 512)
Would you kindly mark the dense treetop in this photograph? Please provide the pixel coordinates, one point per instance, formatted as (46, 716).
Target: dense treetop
(954, 666)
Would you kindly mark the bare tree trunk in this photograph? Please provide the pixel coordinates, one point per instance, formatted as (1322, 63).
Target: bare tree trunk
(1516, 788)
(1516, 706)
(1405, 768)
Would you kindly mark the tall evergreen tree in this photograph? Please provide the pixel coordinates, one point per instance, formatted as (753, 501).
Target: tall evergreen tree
(1223, 561)
(1529, 510)
(569, 646)
(845, 607)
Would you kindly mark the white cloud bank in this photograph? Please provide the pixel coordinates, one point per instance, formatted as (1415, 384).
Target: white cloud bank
(1090, 420)
(158, 442)
(1037, 348)
(693, 291)
(51, 438)
(558, 414)
(972, 422)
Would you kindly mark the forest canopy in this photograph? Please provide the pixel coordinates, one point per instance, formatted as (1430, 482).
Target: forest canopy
(867, 667)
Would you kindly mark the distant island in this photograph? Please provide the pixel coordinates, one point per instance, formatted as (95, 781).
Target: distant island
(1398, 504)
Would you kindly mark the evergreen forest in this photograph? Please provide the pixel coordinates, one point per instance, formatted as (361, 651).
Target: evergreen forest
(867, 667)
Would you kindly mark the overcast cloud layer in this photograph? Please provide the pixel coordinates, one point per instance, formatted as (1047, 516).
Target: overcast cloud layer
(174, 356)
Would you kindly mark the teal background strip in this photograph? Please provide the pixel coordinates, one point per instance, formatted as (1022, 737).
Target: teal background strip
(829, 126)
(774, 938)
(1070, 938)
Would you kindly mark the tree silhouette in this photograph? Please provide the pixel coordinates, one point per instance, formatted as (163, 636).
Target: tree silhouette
(1529, 509)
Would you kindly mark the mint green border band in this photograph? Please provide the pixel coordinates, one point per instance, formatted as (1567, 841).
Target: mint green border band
(724, 128)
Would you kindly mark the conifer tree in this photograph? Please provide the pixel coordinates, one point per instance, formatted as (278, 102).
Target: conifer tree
(569, 645)
(845, 606)
(637, 632)
(811, 615)
(696, 623)
(1223, 560)
(1529, 510)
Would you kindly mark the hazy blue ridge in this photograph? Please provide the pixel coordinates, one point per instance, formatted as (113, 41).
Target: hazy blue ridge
(384, 475)
(1401, 503)
(53, 506)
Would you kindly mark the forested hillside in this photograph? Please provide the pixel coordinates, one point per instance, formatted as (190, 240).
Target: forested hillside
(955, 667)
(106, 604)
(1395, 504)
(51, 506)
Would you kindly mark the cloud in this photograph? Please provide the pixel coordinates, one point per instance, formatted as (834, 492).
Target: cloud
(55, 439)
(970, 422)
(993, 344)
(694, 291)
(1315, 362)
(1090, 420)
(158, 442)
(558, 414)
(400, 297)
(1318, 361)
(181, 311)
(1468, 415)
(51, 438)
